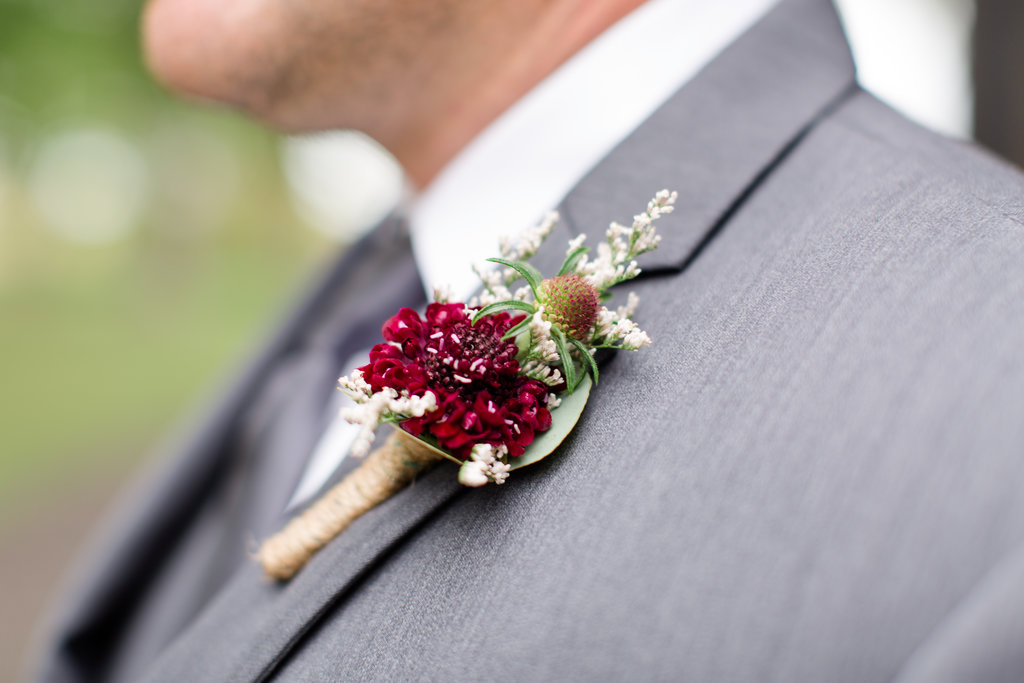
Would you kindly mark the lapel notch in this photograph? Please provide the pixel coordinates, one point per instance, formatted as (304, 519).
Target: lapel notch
(720, 135)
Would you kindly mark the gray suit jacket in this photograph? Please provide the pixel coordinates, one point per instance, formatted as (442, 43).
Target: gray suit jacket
(814, 474)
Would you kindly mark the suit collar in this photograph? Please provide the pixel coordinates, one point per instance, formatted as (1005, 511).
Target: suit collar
(714, 141)
(718, 136)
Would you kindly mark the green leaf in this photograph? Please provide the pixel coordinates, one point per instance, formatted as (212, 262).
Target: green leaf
(529, 273)
(571, 259)
(568, 366)
(588, 360)
(499, 306)
(563, 419)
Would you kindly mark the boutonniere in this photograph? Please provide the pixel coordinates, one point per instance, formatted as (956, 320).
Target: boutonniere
(492, 384)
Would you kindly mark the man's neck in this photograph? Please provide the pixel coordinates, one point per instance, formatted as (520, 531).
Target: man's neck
(554, 37)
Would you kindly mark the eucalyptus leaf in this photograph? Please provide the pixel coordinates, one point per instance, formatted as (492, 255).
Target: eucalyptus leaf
(524, 341)
(430, 444)
(563, 419)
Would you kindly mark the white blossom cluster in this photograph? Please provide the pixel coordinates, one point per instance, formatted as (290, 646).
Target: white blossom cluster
(615, 329)
(544, 347)
(373, 408)
(486, 463)
(443, 293)
(496, 280)
(494, 288)
(356, 386)
(542, 372)
(528, 242)
(615, 256)
(543, 354)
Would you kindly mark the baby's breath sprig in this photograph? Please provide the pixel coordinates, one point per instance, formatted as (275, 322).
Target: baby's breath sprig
(565, 319)
(373, 409)
(615, 256)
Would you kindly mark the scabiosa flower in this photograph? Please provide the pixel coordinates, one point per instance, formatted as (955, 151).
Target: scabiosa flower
(472, 372)
(572, 303)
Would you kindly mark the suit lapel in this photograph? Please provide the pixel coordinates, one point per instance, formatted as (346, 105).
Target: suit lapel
(254, 622)
(717, 138)
(715, 141)
(155, 519)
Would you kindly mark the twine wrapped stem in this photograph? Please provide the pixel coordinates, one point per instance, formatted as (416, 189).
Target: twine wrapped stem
(384, 473)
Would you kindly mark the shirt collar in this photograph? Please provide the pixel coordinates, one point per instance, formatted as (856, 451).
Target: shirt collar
(526, 160)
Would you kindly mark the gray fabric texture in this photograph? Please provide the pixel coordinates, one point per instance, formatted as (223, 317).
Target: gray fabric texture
(813, 474)
(190, 521)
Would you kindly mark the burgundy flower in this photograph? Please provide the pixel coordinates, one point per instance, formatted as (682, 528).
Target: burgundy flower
(472, 372)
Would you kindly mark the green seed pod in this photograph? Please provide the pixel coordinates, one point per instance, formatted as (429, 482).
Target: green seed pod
(571, 303)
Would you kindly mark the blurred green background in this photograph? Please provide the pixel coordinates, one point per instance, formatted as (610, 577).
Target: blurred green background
(142, 240)
(145, 244)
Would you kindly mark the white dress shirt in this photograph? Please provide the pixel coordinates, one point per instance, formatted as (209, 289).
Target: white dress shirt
(527, 159)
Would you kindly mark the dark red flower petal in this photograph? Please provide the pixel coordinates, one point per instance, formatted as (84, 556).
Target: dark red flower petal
(472, 372)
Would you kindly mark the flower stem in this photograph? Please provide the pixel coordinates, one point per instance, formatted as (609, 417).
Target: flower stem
(384, 473)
